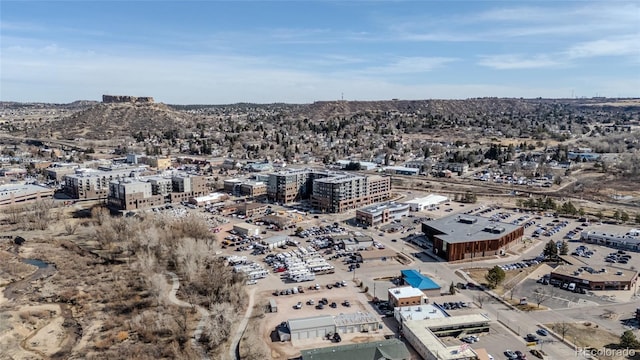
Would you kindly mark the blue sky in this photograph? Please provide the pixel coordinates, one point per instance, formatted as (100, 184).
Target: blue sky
(218, 52)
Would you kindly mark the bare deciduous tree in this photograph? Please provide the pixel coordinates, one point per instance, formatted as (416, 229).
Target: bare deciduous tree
(480, 299)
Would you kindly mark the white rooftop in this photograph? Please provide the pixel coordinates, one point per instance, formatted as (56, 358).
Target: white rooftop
(405, 291)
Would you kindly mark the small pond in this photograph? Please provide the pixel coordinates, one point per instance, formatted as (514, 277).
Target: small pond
(37, 262)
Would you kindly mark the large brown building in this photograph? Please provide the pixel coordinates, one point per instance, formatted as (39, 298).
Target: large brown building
(459, 237)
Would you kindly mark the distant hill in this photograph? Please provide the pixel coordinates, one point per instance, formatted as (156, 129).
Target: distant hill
(103, 121)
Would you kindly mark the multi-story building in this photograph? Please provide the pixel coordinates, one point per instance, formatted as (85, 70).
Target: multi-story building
(93, 184)
(186, 186)
(150, 191)
(254, 189)
(133, 194)
(290, 185)
(328, 191)
(342, 192)
(160, 185)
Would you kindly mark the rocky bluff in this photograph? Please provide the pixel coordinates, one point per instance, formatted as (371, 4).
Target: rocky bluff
(127, 99)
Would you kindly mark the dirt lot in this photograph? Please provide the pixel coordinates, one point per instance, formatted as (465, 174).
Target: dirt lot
(585, 334)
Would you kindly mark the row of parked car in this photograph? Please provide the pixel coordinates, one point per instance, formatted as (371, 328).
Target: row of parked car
(452, 305)
(620, 257)
(519, 265)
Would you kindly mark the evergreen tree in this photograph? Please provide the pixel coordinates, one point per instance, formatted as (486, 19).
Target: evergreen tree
(495, 276)
(550, 250)
(564, 248)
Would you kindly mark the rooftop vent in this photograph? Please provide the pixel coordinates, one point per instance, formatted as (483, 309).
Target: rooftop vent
(467, 220)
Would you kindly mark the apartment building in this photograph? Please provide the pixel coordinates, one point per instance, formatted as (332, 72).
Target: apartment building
(133, 194)
(150, 191)
(342, 192)
(185, 186)
(290, 185)
(328, 191)
(93, 184)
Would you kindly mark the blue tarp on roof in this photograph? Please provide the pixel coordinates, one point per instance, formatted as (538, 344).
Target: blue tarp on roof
(418, 281)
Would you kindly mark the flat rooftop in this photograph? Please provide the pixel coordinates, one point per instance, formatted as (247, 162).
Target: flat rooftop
(405, 291)
(466, 228)
(420, 329)
(419, 312)
(377, 208)
(610, 274)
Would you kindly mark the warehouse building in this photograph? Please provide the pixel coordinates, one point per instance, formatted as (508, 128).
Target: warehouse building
(584, 277)
(319, 326)
(460, 237)
(427, 202)
(391, 349)
(275, 241)
(311, 327)
(381, 213)
(246, 229)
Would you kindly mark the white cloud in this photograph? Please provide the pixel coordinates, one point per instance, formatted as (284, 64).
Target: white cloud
(518, 61)
(409, 65)
(620, 46)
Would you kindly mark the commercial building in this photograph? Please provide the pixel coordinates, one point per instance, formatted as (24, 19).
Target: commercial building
(210, 199)
(406, 296)
(421, 282)
(319, 326)
(250, 209)
(629, 241)
(275, 241)
(21, 194)
(459, 237)
(391, 349)
(426, 203)
(364, 165)
(417, 312)
(246, 229)
(311, 327)
(584, 277)
(381, 213)
(160, 163)
(424, 336)
(401, 170)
